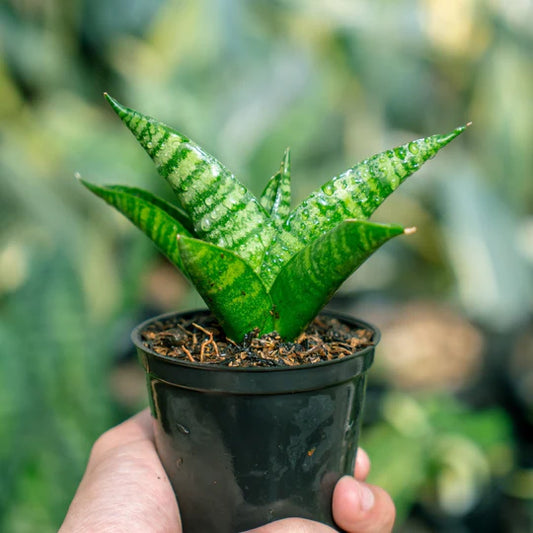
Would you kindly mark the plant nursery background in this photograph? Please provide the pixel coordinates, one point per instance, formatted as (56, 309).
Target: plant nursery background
(450, 398)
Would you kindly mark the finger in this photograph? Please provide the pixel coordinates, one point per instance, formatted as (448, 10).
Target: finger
(139, 426)
(135, 429)
(293, 525)
(362, 465)
(362, 508)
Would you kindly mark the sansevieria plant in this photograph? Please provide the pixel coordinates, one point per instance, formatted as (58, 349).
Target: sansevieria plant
(257, 263)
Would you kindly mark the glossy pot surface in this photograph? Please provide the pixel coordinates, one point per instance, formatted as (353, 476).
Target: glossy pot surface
(246, 446)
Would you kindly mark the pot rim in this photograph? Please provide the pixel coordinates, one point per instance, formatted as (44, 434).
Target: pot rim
(367, 351)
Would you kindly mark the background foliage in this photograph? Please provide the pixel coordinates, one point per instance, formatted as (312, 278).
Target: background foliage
(449, 405)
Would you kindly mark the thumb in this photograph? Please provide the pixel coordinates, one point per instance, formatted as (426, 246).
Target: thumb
(362, 508)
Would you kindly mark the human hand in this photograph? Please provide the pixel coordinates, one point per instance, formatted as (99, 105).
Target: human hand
(125, 489)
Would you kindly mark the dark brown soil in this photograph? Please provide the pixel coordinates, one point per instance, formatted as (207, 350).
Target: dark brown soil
(201, 340)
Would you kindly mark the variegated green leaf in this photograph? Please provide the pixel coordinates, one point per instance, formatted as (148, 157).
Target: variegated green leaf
(231, 289)
(356, 193)
(221, 209)
(308, 281)
(154, 216)
(175, 212)
(276, 198)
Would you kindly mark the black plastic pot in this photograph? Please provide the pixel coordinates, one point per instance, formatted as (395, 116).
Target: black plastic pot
(246, 446)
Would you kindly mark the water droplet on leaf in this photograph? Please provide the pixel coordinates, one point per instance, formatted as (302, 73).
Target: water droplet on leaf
(205, 223)
(328, 189)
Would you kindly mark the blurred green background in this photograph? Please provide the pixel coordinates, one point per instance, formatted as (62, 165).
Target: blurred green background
(449, 409)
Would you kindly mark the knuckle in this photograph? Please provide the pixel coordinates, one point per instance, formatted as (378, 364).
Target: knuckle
(102, 444)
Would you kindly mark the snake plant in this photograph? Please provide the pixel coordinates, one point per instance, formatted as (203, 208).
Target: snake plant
(256, 263)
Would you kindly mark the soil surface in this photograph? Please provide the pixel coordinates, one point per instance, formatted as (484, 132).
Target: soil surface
(201, 340)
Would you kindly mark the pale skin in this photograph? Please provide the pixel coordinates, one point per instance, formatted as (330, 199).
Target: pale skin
(125, 489)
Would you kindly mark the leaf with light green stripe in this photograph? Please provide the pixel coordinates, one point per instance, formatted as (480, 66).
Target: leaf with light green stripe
(222, 210)
(308, 281)
(174, 211)
(356, 193)
(152, 215)
(276, 198)
(230, 288)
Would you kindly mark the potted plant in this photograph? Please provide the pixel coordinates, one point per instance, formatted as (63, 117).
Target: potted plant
(257, 402)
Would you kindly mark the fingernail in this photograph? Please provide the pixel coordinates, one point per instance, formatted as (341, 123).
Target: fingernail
(366, 497)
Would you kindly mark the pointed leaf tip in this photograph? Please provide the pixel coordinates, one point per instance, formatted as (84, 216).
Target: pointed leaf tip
(158, 219)
(460, 129)
(118, 108)
(446, 138)
(276, 197)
